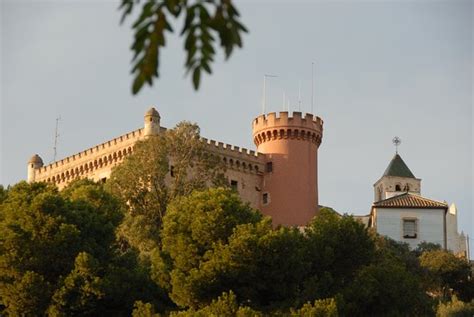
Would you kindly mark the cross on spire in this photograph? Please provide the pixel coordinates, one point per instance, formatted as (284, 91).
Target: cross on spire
(396, 141)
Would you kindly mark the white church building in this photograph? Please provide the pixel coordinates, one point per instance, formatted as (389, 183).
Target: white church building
(401, 213)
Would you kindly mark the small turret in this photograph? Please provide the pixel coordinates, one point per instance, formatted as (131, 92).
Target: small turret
(34, 163)
(152, 122)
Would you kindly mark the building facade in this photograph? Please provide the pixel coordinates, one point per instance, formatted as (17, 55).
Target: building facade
(280, 178)
(402, 214)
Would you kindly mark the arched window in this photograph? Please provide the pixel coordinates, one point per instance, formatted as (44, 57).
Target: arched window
(397, 188)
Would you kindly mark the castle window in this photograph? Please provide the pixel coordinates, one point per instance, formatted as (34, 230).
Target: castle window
(265, 199)
(269, 167)
(398, 188)
(234, 184)
(172, 171)
(406, 188)
(103, 180)
(409, 228)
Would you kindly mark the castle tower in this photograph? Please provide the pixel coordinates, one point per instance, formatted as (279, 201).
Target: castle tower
(152, 122)
(396, 180)
(34, 163)
(290, 183)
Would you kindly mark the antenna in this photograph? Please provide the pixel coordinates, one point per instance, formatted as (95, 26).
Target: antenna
(56, 138)
(264, 98)
(299, 96)
(396, 141)
(312, 87)
(284, 100)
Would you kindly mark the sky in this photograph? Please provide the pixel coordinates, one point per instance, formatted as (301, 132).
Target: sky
(381, 69)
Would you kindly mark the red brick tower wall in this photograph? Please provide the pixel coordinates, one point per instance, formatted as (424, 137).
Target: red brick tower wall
(290, 185)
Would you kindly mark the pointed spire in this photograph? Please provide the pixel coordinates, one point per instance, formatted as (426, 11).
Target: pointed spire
(397, 167)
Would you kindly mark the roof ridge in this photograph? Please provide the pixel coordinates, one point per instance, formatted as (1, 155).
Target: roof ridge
(402, 199)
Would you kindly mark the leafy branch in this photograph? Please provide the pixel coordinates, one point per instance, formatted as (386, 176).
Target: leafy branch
(204, 20)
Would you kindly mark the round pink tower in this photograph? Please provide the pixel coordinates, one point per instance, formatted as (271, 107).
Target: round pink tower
(290, 181)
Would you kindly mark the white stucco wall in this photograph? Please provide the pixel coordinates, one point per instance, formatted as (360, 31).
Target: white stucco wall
(430, 227)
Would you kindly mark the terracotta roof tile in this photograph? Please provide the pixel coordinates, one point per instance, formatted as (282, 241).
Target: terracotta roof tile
(408, 200)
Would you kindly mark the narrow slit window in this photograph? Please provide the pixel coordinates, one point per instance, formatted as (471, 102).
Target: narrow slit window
(269, 167)
(265, 198)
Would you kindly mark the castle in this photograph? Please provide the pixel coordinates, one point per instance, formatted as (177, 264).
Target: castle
(280, 178)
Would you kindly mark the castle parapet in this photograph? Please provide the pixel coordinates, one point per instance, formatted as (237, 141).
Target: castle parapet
(283, 126)
(235, 157)
(90, 162)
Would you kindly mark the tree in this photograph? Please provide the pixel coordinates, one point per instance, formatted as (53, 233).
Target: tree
(337, 247)
(203, 20)
(225, 305)
(162, 168)
(426, 246)
(455, 308)
(320, 308)
(191, 228)
(448, 274)
(264, 267)
(385, 288)
(81, 290)
(58, 253)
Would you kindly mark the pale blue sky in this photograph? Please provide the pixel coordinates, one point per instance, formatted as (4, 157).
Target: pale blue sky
(382, 69)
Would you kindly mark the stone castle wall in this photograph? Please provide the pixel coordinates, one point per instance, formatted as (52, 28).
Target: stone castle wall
(243, 166)
(287, 191)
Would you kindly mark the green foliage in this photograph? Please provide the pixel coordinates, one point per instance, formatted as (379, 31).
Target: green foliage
(320, 308)
(81, 290)
(68, 253)
(226, 305)
(455, 308)
(448, 274)
(141, 309)
(337, 247)
(426, 246)
(385, 288)
(58, 254)
(27, 295)
(264, 267)
(144, 182)
(192, 226)
(3, 194)
(203, 20)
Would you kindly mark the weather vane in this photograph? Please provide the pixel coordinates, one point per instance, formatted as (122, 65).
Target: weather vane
(396, 141)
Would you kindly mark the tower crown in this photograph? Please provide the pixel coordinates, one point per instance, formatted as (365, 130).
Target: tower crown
(36, 160)
(152, 122)
(34, 163)
(283, 126)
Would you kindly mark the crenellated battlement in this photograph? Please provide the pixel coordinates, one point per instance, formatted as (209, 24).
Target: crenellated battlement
(94, 151)
(281, 125)
(283, 119)
(237, 157)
